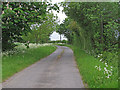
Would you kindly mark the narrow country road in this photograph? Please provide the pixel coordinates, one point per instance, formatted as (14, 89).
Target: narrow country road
(58, 70)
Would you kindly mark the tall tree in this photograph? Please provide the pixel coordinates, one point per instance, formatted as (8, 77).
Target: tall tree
(98, 21)
(17, 18)
(40, 32)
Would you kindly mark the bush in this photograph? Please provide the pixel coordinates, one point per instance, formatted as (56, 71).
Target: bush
(58, 41)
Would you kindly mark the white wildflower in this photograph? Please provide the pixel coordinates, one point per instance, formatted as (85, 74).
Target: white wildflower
(95, 66)
(98, 55)
(100, 60)
(104, 72)
(105, 68)
(110, 73)
(99, 68)
(108, 76)
(105, 63)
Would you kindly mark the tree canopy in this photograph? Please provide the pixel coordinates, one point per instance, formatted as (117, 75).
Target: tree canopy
(94, 24)
(17, 18)
(40, 32)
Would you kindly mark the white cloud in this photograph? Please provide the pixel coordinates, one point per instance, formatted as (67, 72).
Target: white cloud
(56, 36)
(61, 16)
(57, 1)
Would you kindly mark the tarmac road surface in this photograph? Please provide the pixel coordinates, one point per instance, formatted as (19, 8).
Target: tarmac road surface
(58, 70)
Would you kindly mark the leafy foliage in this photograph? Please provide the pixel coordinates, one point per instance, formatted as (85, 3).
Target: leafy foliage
(94, 28)
(64, 28)
(17, 18)
(94, 23)
(40, 32)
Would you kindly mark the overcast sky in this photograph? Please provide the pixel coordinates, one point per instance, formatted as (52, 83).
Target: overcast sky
(61, 16)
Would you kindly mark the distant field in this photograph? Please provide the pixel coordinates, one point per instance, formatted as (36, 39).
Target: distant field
(16, 60)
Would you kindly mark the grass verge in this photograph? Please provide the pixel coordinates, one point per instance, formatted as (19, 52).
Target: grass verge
(12, 64)
(92, 70)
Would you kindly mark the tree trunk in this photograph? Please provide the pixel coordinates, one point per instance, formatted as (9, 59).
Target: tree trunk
(36, 40)
(60, 37)
(101, 28)
(119, 42)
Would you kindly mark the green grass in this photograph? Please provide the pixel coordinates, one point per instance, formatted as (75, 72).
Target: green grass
(12, 64)
(92, 76)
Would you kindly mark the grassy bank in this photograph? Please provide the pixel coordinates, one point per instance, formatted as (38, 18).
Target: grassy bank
(95, 74)
(22, 58)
